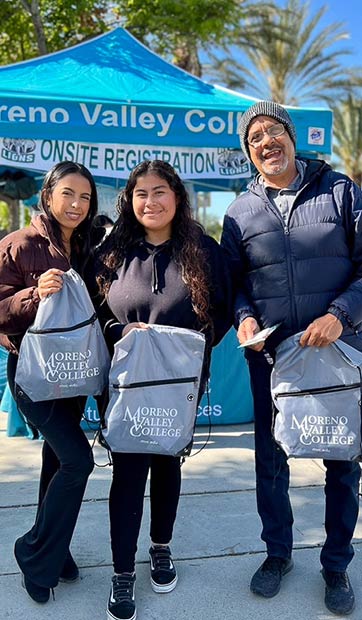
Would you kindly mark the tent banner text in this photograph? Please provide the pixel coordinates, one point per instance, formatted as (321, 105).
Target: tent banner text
(136, 124)
(117, 160)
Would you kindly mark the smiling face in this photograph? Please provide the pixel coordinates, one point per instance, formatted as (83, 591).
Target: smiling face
(154, 206)
(69, 202)
(274, 157)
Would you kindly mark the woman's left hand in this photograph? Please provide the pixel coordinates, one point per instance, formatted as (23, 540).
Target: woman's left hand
(50, 282)
(136, 325)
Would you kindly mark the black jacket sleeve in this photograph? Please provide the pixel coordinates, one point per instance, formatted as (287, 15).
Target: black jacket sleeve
(221, 299)
(112, 329)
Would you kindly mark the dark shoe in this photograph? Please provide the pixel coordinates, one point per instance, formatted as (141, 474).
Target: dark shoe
(37, 593)
(70, 571)
(163, 571)
(267, 579)
(121, 602)
(339, 596)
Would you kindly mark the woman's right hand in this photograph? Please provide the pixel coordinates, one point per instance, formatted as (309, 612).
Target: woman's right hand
(135, 325)
(50, 282)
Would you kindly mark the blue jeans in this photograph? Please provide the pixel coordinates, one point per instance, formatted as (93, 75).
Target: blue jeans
(66, 464)
(272, 484)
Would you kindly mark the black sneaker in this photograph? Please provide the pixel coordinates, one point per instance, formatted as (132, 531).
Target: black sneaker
(39, 594)
(267, 579)
(70, 571)
(163, 571)
(121, 602)
(339, 596)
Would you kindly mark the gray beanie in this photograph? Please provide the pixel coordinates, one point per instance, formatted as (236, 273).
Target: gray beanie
(264, 108)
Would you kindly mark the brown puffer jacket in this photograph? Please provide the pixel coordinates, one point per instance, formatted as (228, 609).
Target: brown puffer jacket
(24, 255)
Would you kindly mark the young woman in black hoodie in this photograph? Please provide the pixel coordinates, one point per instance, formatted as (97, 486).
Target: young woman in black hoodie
(156, 266)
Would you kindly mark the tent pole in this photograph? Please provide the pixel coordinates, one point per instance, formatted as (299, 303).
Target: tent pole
(193, 199)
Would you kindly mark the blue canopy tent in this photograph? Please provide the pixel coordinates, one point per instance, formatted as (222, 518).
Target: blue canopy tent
(109, 103)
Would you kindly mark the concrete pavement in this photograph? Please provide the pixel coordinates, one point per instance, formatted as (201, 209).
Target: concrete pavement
(216, 545)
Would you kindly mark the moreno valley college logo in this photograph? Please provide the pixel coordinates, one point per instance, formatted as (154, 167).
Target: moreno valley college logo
(69, 366)
(152, 421)
(323, 430)
(18, 150)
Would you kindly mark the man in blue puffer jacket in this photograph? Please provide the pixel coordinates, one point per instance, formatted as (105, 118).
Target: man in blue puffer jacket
(294, 242)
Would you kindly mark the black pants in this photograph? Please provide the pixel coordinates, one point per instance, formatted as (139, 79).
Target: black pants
(67, 461)
(126, 502)
(272, 484)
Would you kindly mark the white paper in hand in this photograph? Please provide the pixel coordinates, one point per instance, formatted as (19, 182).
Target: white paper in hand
(259, 337)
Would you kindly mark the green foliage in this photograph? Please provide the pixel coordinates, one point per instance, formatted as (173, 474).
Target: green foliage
(178, 30)
(4, 216)
(5, 219)
(64, 22)
(27, 216)
(17, 41)
(207, 21)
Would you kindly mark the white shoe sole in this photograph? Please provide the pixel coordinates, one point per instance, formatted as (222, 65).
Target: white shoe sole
(168, 587)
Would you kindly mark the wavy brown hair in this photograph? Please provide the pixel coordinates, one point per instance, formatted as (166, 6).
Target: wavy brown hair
(186, 245)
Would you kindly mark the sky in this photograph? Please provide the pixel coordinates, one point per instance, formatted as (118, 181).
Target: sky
(347, 11)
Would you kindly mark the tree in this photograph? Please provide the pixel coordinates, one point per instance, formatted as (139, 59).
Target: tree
(348, 137)
(16, 40)
(32, 7)
(293, 60)
(36, 27)
(178, 30)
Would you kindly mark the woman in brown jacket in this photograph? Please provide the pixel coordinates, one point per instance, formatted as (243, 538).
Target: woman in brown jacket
(32, 261)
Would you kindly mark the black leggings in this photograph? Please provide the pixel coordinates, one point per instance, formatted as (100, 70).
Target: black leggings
(126, 502)
(66, 464)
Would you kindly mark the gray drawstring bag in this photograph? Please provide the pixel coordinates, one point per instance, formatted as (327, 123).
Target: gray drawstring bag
(154, 384)
(64, 353)
(317, 396)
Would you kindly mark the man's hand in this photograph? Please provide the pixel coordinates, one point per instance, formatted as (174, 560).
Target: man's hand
(247, 329)
(322, 331)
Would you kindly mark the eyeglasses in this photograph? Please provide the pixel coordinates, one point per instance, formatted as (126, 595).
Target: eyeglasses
(273, 131)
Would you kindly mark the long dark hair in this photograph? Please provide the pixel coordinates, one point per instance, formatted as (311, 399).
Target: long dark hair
(186, 247)
(80, 239)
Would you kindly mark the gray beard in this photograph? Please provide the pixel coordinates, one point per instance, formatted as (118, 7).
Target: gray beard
(273, 171)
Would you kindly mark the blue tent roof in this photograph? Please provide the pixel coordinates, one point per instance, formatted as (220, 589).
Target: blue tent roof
(113, 89)
(113, 67)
